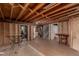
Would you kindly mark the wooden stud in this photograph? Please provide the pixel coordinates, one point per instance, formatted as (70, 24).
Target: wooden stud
(2, 14)
(11, 13)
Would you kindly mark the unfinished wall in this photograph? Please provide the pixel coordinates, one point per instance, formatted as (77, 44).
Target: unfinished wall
(14, 30)
(63, 27)
(71, 27)
(74, 32)
(17, 31)
(6, 30)
(1, 34)
(6, 34)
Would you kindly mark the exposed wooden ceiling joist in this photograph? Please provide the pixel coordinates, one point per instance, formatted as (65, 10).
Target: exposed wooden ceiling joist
(68, 13)
(11, 13)
(75, 10)
(63, 17)
(21, 6)
(38, 13)
(2, 14)
(43, 12)
(37, 7)
(46, 13)
(23, 10)
(65, 7)
(62, 12)
(11, 4)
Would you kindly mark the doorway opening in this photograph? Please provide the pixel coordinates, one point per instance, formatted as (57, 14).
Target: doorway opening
(24, 32)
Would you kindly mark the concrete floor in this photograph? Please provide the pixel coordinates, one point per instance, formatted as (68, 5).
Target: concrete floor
(39, 47)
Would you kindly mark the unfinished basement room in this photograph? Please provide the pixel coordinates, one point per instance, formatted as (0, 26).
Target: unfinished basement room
(39, 29)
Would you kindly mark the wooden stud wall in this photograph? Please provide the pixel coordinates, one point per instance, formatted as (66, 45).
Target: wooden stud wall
(63, 27)
(1, 34)
(7, 29)
(6, 34)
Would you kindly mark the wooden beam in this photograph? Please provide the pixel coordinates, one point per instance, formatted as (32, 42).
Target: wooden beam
(21, 13)
(64, 11)
(11, 13)
(68, 14)
(21, 6)
(44, 11)
(65, 7)
(38, 13)
(37, 8)
(12, 4)
(2, 14)
(49, 5)
(30, 9)
(64, 17)
(41, 18)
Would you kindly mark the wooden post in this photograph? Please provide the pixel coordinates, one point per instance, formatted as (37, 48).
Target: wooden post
(32, 32)
(49, 31)
(29, 32)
